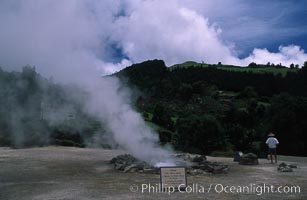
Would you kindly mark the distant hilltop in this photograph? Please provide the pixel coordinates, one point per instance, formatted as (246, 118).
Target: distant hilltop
(276, 69)
(252, 67)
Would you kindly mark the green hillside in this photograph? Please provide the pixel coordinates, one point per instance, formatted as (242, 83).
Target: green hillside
(205, 108)
(278, 69)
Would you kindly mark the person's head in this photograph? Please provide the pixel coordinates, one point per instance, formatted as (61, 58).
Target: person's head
(271, 134)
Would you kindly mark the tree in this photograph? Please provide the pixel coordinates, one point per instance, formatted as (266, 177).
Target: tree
(288, 123)
(252, 64)
(199, 134)
(162, 117)
(249, 92)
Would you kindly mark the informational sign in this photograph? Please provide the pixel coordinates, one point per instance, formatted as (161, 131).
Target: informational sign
(173, 177)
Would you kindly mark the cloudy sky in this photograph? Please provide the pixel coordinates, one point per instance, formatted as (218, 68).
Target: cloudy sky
(61, 37)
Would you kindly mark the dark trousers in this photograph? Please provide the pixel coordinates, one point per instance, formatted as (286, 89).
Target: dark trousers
(272, 151)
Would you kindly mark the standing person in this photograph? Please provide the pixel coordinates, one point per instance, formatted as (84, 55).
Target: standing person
(272, 144)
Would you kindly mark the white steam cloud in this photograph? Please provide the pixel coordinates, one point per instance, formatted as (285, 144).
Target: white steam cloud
(62, 40)
(78, 41)
(128, 127)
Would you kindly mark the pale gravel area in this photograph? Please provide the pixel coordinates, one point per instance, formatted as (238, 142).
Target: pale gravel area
(66, 173)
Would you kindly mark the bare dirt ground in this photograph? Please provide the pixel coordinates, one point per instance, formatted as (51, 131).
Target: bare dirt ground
(65, 173)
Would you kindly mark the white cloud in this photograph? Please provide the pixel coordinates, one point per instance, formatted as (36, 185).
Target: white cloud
(286, 56)
(248, 24)
(175, 33)
(75, 36)
(170, 32)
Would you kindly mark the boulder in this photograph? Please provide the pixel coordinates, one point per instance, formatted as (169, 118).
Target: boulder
(131, 168)
(191, 157)
(249, 159)
(195, 172)
(212, 167)
(283, 167)
(292, 166)
(195, 164)
(199, 158)
(153, 170)
(237, 156)
(220, 169)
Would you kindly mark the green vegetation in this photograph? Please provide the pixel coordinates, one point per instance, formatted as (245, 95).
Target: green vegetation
(189, 64)
(215, 109)
(252, 68)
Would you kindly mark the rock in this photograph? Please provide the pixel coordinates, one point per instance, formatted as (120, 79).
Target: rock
(123, 160)
(128, 168)
(215, 168)
(237, 156)
(283, 167)
(151, 171)
(128, 163)
(179, 155)
(195, 158)
(206, 167)
(194, 172)
(133, 170)
(282, 164)
(195, 164)
(118, 166)
(249, 159)
(199, 158)
(220, 169)
(191, 157)
(292, 166)
(251, 155)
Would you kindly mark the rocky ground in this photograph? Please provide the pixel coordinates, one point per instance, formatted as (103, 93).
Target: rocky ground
(64, 173)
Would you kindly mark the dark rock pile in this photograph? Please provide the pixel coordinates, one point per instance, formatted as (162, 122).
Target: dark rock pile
(283, 167)
(249, 159)
(128, 163)
(194, 164)
(237, 156)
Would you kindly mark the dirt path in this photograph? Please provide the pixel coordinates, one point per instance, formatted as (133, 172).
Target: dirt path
(64, 173)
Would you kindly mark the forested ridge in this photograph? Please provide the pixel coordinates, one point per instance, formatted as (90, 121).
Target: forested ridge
(218, 109)
(200, 108)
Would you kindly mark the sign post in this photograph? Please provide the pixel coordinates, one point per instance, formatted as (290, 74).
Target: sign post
(173, 177)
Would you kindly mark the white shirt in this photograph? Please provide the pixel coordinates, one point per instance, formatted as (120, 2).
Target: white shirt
(272, 142)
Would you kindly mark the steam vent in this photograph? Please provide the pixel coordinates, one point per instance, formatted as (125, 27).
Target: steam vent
(195, 164)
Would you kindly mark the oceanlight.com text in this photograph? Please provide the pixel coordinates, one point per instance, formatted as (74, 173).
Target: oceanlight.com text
(257, 189)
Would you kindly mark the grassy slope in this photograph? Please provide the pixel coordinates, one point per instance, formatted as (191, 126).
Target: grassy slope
(264, 69)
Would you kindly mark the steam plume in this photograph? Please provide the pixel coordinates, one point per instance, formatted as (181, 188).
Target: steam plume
(62, 40)
(128, 128)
